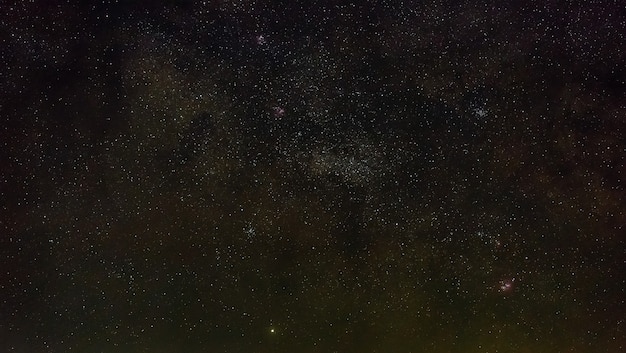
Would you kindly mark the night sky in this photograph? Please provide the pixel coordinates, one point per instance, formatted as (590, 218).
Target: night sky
(312, 176)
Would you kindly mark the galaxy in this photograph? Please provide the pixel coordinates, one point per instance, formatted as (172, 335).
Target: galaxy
(304, 176)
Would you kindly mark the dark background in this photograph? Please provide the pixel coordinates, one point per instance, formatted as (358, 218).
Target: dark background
(445, 177)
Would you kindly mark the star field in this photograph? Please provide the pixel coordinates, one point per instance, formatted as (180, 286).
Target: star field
(312, 176)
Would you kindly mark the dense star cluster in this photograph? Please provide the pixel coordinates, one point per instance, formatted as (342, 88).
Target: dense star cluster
(312, 176)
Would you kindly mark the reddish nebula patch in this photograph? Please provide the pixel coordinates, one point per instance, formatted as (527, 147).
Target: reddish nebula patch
(278, 112)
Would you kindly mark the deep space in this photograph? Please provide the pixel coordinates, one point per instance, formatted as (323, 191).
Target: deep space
(304, 176)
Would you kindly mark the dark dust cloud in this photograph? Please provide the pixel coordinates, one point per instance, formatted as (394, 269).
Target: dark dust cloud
(312, 176)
